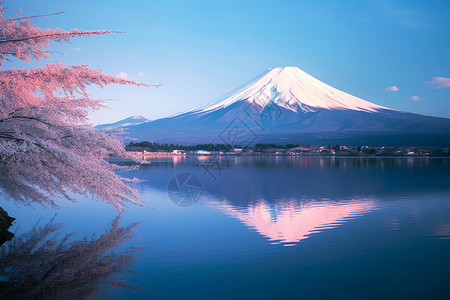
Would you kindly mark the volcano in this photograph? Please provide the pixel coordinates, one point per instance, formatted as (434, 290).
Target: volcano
(286, 105)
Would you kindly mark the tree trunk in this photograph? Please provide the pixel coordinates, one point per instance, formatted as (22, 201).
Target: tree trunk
(5, 223)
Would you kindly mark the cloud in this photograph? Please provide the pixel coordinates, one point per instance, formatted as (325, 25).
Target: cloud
(392, 88)
(140, 73)
(122, 75)
(415, 98)
(439, 82)
(78, 48)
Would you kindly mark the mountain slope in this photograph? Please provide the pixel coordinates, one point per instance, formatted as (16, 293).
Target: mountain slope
(286, 105)
(130, 121)
(295, 90)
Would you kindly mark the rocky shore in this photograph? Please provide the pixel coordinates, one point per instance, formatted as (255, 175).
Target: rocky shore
(5, 222)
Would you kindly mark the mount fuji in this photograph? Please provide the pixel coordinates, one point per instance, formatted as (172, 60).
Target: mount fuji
(286, 105)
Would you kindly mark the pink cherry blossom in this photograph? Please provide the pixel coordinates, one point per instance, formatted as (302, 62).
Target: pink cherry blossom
(47, 147)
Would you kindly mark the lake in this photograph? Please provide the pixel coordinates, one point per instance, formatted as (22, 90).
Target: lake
(248, 228)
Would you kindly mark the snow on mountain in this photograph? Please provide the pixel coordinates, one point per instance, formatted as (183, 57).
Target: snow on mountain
(130, 121)
(295, 90)
(286, 105)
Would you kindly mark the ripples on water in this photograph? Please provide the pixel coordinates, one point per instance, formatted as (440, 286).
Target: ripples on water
(359, 228)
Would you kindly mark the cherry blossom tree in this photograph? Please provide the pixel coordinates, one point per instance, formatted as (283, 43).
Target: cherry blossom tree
(47, 147)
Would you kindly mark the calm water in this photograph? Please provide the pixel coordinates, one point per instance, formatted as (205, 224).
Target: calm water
(249, 228)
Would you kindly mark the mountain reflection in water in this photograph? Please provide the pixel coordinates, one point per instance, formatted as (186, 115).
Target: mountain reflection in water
(286, 199)
(365, 228)
(290, 222)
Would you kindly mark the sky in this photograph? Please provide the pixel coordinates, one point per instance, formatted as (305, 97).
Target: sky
(393, 53)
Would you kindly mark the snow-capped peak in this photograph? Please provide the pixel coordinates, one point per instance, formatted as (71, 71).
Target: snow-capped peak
(137, 117)
(130, 121)
(293, 89)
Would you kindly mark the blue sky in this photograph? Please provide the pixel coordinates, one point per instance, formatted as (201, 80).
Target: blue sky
(200, 50)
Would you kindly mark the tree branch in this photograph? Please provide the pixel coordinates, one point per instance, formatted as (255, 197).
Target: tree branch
(30, 17)
(58, 35)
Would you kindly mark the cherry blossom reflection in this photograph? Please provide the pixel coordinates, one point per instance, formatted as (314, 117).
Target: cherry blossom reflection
(290, 222)
(37, 265)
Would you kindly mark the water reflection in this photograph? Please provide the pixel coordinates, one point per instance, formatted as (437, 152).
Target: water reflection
(316, 162)
(289, 222)
(286, 199)
(443, 232)
(37, 265)
(247, 179)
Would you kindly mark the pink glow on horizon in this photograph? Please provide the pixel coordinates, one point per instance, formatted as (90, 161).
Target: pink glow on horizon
(293, 222)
